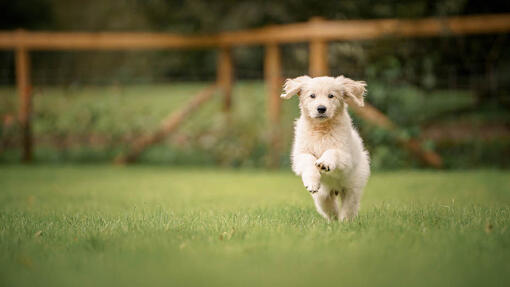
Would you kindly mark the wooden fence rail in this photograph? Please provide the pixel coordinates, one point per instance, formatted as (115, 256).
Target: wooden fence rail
(338, 30)
(168, 126)
(317, 32)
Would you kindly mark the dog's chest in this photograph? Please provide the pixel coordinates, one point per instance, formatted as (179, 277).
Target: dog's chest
(317, 143)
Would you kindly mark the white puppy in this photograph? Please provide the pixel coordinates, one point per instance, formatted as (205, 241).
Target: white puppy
(328, 152)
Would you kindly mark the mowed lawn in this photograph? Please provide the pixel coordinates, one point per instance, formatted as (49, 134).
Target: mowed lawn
(161, 226)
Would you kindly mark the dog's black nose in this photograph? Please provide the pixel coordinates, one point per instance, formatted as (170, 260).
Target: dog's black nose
(321, 109)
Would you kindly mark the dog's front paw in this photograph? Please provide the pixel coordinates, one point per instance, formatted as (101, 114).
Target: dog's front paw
(325, 164)
(313, 187)
(312, 184)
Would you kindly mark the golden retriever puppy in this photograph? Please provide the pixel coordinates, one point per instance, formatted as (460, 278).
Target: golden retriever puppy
(328, 152)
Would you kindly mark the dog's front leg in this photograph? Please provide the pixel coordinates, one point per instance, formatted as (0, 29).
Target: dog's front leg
(304, 165)
(334, 159)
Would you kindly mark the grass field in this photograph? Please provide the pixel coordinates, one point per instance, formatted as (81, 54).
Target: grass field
(158, 226)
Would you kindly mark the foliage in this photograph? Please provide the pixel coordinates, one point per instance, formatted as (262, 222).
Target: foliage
(479, 62)
(96, 123)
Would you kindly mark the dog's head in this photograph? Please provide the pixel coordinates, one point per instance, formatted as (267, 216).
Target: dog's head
(323, 98)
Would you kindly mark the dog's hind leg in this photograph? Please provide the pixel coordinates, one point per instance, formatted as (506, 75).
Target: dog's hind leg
(350, 203)
(326, 203)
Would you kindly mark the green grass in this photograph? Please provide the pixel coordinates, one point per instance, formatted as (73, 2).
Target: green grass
(159, 226)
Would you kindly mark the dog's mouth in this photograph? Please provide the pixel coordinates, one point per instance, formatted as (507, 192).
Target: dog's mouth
(321, 116)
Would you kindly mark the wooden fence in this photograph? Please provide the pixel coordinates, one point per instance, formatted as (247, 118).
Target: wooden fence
(317, 32)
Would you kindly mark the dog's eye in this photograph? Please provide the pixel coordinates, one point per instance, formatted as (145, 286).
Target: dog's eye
(331, 96)
(312, 96)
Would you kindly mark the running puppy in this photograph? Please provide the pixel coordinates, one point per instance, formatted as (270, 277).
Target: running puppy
(328, 152)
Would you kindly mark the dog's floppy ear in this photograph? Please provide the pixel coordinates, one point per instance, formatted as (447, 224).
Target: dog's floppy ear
(354, 90)
(293, 86)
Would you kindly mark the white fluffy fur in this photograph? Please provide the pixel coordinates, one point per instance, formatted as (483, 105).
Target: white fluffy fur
(328, 152)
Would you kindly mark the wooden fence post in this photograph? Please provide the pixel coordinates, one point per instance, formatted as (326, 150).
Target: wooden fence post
(272, 75)
(318, 58)
(25, 100)
(318, 53)
(225, 76)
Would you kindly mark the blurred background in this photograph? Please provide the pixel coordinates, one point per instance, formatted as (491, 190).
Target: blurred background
(451, 92)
